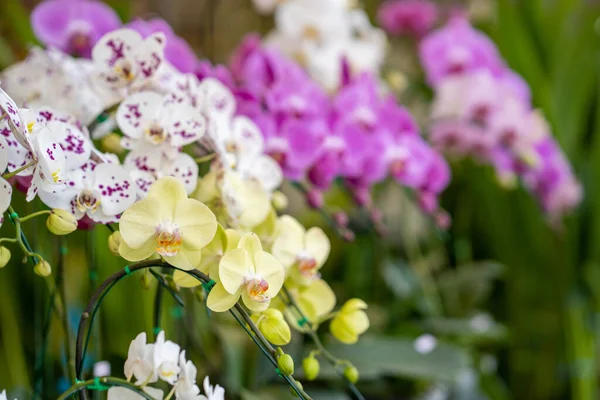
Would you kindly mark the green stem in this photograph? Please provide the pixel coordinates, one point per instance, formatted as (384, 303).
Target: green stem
(335, 362)
(35, 214)
(16, 171)
(106, 381)
(105, 287)
(208, 157)
(65, 315)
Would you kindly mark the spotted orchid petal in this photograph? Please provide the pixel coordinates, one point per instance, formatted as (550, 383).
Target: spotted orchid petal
(216, 98)
(75, 145)
(184, 168)
(184, 124)
(9, 107)
(116, 190)
(150, 55)
(137, 114)
(113, 54)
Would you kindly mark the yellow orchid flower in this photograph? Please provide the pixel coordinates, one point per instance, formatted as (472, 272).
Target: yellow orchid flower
(247, 272)
(301, 252)
(350, 322)
(168, 223)
(236, 202)
(315, 301)
(267, 230)
(273, 326)
(224, 240)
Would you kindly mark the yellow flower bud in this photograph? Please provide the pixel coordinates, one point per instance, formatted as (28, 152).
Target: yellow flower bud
(350, 322)
(285, 363)
(311, 367)
(112, 143)
(279, 200)
(114, 241)
(146, 281)
(42, 269)
(61, 222)
(351, 373)
(273, 326)
(4, 256)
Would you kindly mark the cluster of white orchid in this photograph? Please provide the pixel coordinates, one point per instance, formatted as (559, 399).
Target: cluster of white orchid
(319, 34)
(46, 143)
(163, 360)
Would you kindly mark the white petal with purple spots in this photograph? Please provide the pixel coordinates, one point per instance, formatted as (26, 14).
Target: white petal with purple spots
(136, 114)
(184, 168)
(116, 189)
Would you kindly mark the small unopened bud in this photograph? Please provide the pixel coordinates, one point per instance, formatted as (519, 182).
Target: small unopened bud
(280, 201)
(348, 235)
(299, 386)
(4, 256)
(285, 363)
(171, 283)
(362, 196)
(200, 294)
(42, 269)
(351, 373)
(396, 80)
(314, 198)
(61, 222)
(146, 281)
(341, 218)
(114, 241)
(112, 143)
(311, 367)
(273, 326)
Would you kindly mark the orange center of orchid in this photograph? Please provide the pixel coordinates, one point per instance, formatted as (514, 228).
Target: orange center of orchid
(168, 240)
(256, 288)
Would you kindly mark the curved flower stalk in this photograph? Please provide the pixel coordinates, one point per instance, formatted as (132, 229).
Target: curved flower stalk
(482, 109)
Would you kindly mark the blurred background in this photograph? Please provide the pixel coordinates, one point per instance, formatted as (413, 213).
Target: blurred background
(502, 306)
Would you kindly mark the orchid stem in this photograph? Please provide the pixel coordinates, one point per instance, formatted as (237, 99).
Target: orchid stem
(105, 381)
(335, 362)
(16, 171)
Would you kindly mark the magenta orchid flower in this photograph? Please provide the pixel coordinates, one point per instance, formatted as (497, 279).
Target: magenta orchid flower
(73, 26)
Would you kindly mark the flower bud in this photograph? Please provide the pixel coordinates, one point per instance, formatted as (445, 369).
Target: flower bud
(171, 283)
(112, 143)
(114, 241)
(314, 198)
(4, 256)
(311, 367)
(61, 222)
(279, 200)
(341, 218)
(200, 294)
(299, 386)
(351, 373)
(350, 322)
(273, 326)
(285, 363)
(146, 281)
(42, 268)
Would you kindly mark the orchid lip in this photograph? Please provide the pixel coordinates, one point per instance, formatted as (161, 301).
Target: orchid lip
(87, 200)
(168, 240)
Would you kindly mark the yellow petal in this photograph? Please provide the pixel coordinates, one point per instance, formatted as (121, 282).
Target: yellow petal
(185, 280)
(233, 239)
(271, 270)
(206, 190)
(196, 223)
(233, 268)
(219, 300)
(317, 244)
(320, 295)
(342, 332)
(360, 322)
(289, 241)
(185, 258)
(353, 305)
(252, 304)
(168, 192)
(251, 243)
(255, 204)
(267, 229)
(138, 222)
(139, 254)
(218, 244)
